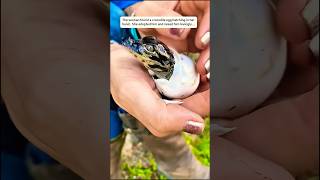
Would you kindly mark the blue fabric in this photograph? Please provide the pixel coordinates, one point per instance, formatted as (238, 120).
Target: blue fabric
(121, 111)
(115, 125)
(124, 4)
(13, 167)
(116, 33)
(39, 157)
(134, 33)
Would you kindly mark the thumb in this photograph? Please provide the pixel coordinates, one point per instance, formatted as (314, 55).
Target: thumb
(177, 118)
(159, 118)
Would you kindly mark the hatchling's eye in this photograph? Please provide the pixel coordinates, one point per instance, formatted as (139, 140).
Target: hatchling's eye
(161, 48)
(141, 49)
(149, 48)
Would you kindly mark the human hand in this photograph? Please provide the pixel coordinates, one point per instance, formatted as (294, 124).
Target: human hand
(184, 40)
(297, 30)
(285, 128)
(134, 90)
(200, 101)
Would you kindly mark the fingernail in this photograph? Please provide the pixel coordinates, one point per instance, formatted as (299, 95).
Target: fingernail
(194, 127)
(208, 75)
(207, 65)
(205, 38)
(175, 31)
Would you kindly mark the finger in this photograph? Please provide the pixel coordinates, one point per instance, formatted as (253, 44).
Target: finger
(161, 119)
(205, 78)
(296, 80)
(179, 118)
(205, 85)
(172, 118)
(202, 38)
(198, 103)
(203, 63)
(300, 54)
(290, 22)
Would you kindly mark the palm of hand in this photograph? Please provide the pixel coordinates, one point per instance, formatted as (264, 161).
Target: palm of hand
(129, 70)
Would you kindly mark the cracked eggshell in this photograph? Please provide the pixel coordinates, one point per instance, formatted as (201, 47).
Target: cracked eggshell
(249, 59)
(184, 80)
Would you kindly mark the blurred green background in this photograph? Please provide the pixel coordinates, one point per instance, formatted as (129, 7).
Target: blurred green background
(141, 163)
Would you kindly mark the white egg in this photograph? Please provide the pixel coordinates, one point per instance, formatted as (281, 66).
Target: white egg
(184, 80)
(249, 59)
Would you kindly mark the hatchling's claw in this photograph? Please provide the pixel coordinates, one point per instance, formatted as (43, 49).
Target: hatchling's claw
(172, 101)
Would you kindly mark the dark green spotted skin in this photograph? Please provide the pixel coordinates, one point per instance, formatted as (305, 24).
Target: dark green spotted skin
(153, 54)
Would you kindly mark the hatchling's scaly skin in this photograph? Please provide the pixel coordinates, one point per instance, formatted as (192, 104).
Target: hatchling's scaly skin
(153, 54)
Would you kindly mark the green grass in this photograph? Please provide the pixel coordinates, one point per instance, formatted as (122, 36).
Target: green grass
(147, 168)
(142, 171)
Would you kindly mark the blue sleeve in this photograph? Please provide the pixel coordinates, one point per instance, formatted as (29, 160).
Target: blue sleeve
(116, 128)
(124, 4)
(116, 32)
